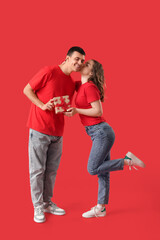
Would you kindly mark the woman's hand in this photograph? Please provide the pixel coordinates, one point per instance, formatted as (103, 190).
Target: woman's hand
(94, 111)
(70, 112)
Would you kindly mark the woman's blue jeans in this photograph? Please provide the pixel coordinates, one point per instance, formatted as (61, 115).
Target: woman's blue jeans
(99, 163)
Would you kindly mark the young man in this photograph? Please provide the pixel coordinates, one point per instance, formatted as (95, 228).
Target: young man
(47, 90)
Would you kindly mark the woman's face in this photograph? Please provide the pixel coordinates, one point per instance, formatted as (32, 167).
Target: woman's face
(86, 70)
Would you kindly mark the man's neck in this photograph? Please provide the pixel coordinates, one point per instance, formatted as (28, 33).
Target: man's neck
(65, 68)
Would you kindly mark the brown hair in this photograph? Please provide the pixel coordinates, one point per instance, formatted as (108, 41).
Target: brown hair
(98, 78)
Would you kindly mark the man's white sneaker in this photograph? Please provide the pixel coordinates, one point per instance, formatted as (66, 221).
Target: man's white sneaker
(96, 211)
(39, 216)
(53, 208)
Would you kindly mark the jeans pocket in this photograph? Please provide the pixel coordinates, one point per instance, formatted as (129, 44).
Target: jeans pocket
(30, 133)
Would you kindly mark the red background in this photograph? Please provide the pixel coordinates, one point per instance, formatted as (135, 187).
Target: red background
(124, 37)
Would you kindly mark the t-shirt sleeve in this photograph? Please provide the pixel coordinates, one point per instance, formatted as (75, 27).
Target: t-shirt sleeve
(92, 93)
(40, 79)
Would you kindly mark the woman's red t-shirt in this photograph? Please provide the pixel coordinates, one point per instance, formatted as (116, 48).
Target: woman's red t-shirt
(88, 93)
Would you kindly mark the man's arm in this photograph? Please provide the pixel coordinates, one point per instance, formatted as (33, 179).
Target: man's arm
(28, 91)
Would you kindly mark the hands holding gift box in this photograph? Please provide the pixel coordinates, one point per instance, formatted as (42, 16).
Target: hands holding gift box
(62, 104)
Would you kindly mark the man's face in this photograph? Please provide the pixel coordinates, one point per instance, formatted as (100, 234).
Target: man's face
(76, 61)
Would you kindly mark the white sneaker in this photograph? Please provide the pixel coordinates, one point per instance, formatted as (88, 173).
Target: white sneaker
(96, 211)
(39, 216)
(53, 208)
(134, 161)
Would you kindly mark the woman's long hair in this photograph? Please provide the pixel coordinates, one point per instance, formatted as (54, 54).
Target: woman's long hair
(98, 78)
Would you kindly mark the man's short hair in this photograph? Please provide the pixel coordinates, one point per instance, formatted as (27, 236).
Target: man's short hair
(75, 49)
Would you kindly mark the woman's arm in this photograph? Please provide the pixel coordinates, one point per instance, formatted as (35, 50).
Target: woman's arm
(94, 111)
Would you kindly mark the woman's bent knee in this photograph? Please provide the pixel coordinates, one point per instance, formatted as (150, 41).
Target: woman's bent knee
(92, 171)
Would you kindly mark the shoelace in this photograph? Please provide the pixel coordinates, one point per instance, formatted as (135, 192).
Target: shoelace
(52, 204)
(130, 163)
(94, 208)
(39, 210)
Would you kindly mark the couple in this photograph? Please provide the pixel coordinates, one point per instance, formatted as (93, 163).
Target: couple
(46, 130)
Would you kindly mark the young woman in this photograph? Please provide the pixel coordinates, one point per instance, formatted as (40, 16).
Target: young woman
(88, 105)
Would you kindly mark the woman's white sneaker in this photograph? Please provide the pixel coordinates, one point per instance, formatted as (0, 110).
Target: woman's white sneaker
(134, 161)
(97, 211)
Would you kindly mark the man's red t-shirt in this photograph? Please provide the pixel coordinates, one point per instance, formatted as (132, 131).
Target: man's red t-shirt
(48, 83)
(87, 93)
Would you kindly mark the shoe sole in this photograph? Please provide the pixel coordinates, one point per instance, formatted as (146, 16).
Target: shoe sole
(39, 221)
(136, 160)
(54, 213)
(93, 216)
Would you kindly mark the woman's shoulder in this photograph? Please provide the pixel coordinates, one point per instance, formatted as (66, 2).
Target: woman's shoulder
(91, 86)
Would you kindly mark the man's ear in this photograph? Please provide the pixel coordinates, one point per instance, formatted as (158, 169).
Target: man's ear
(67, 57)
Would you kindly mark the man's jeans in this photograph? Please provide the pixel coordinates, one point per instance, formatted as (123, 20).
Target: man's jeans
(44, 157)
(99, 163)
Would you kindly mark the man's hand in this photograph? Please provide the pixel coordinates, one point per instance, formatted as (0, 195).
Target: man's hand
(48, 106)
(70, 112)
(29, 92)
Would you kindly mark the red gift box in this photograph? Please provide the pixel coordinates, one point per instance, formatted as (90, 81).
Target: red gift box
(61, 104)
